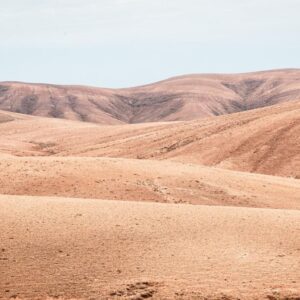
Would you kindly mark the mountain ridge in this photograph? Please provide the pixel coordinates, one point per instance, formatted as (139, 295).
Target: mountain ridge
(180, 98)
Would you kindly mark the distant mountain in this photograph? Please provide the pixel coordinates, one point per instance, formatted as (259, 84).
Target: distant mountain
(176, 99)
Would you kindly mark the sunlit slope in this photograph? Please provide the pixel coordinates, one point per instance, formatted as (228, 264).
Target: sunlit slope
(144, 180)
(176, 99)
(265, 140)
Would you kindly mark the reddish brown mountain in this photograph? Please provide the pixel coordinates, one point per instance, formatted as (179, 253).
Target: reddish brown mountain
(179, 98)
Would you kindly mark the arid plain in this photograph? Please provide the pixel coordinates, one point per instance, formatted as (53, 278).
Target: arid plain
(188, 188)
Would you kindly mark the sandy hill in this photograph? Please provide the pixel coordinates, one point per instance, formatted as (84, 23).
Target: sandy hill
(5, 117)
(264, 140)
(180, 98)
(58, 248)
(144, 180)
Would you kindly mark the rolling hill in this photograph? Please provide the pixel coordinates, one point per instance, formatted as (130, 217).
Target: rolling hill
(264, 140)
(144, 180)
(176, 99)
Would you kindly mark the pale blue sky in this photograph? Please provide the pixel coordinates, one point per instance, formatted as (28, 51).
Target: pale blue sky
(119, 43)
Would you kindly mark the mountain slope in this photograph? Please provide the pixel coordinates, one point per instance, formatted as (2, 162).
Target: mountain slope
(265, 140)
(180, 98)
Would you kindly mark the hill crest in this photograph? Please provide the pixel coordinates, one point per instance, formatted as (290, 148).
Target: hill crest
(179, 98)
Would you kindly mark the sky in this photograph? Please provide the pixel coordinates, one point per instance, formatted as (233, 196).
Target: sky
(122, 43)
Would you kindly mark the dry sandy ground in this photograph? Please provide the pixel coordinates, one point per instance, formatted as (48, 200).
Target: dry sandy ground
(92, 249)
(265, 140)
(145, 180)
(244, 245)
(181, 98)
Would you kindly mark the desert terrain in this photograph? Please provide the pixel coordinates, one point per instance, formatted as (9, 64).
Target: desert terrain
(188, 188)
(180, 98)
(91, 249)
(264, 140)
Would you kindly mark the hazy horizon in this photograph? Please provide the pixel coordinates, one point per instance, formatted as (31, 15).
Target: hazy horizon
(123, 43)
